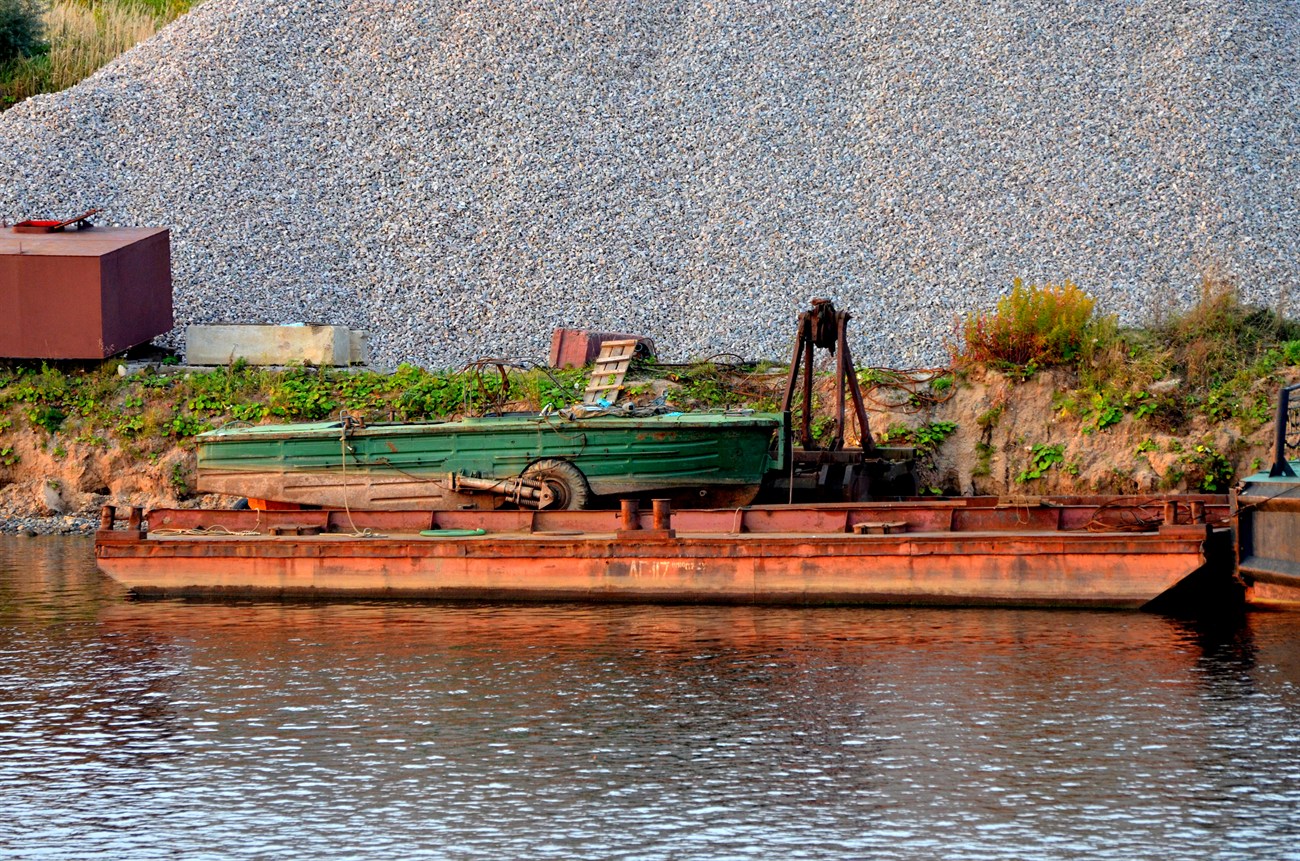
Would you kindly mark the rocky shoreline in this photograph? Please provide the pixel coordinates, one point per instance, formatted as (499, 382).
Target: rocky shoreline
(60, 524)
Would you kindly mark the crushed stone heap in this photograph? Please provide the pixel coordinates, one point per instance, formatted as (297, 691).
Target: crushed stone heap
(459, 178)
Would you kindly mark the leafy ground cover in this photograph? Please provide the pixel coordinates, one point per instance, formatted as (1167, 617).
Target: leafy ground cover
(1203, 380)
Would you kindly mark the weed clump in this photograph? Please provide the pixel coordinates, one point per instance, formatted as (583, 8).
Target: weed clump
(149, 407)
(1031, 328)
(1210, 340)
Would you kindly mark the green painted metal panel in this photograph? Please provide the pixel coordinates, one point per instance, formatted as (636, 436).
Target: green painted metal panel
(657, 451)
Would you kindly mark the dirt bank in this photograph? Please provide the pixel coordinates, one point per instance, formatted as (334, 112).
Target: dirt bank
(986, 434)
(1035, 437)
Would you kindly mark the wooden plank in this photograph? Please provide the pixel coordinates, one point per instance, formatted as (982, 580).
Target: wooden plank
(608, 372)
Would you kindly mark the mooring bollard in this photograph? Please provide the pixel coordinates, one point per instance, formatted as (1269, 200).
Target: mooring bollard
(1171, 512)
(106, 514)
(631, 514)
(1198, 510)
(663, 514)
(135, 521)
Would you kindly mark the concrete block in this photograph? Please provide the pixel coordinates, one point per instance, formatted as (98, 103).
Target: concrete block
(308, 343)
(359, 347)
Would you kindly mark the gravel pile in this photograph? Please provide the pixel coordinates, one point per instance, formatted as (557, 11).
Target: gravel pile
(459, 178)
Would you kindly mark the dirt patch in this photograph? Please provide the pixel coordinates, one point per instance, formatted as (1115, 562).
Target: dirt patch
(1027, 437)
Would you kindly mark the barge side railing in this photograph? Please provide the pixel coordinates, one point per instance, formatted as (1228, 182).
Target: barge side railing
(969, 515)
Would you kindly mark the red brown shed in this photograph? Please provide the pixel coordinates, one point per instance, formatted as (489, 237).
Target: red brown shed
(83, 294)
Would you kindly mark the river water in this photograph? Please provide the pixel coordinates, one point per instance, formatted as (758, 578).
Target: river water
(257, 730)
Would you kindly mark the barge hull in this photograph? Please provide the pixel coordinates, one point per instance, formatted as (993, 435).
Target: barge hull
(971, 568)
(1268, 526)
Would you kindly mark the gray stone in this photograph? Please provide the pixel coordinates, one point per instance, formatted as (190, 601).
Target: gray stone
(52, 499)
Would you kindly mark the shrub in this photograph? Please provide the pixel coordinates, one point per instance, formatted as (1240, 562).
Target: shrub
(925, 439)
(1031, 328)
(21, 28)
(1208, 471)
(1214, 338)
(84, 39)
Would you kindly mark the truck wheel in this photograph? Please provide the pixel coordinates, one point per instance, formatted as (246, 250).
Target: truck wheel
(564, 480)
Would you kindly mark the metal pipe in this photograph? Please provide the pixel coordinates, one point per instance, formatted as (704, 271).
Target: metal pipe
(520, 489)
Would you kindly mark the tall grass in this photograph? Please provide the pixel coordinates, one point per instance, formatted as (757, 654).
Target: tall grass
(1213, 338)
(83, 37)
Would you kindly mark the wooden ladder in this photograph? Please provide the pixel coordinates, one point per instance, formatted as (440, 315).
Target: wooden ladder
(608, 371)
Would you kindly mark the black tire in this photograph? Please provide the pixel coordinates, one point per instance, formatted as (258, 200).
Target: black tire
(565, 481)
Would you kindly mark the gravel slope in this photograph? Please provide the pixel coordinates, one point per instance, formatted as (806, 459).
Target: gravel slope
(458, 178)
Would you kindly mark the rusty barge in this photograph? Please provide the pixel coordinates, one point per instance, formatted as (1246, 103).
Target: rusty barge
(1266, 511)
(1129, 554)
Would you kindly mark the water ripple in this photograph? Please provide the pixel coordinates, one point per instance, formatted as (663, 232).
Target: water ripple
(172, 729)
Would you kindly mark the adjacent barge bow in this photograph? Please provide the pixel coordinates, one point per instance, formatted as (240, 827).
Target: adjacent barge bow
(1266, 507)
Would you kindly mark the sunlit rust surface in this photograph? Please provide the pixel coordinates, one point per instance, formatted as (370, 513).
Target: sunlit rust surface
(1268, 533)
(935, 553)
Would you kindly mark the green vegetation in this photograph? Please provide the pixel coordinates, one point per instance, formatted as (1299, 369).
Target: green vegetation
(983, 459)
(1170, 394)
(149, 411)
(1041, 459)
(1207, 470)
(925, 439)
(46, 48)
(1032, 328)
(708, 384)
(989, 419)
(179, 480)
(21, 28)
(1216, 365)
(1219, 359)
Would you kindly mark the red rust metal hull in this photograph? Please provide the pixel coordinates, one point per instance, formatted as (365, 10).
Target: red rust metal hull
(938, 553)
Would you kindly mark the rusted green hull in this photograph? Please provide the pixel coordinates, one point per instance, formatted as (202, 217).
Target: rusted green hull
(719, 457)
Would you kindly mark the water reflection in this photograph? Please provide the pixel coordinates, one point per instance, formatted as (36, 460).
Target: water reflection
(266, 730)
